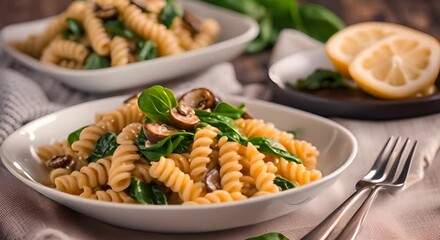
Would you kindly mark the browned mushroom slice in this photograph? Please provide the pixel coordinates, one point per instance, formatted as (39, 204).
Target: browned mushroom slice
(199, 98)
(62, 161)
(105, 12)
(193, 22)
(131, 98)
(212, 180)
(140, 4)
(247, 115)
(184, 117)
(155, 132)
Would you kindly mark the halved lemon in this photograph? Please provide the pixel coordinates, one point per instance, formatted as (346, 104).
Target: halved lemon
(343, 46)
(398, 66)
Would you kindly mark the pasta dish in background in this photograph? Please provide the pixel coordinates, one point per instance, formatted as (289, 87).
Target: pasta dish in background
(102, 33)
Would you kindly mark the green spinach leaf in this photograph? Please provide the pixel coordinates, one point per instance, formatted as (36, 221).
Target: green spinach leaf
(225, 124)
(228, 110)
(169, 12)
(178, 142)
(105, 146)
(270, 236)
(319, 22)
(321, 79)
(147, 50)
(74, 30)
(74, 136)
(283, 183)
(156, 102)
(264, 145)
(118, 28)
(94, 61)
(295, 133)
(146, 193)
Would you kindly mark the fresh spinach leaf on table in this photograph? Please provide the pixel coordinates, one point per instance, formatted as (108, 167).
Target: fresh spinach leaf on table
(274, 16)
(270, 236)
(319, 22)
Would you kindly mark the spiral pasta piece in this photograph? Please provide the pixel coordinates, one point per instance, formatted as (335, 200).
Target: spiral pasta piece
(304, 150)
(230, 167)
(113, 121)
(64, 49)
(181, 161)
(217, 196)
(95, 30)
(93, 175)
(122, 166)
(88, 193)
(257, 128)
(201, 149)
(113, 196)
(263, 179)
(88, 138)
(249, 188)
(166, 171)
(71, 64)
(296, 173)
(116, 120)
(129, 133)
(47, 152)
(142, 172)
(35, 44)
(119, 51)
(167, 43)
(58, 172)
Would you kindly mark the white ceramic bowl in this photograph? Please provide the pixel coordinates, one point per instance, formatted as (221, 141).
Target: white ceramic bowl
(337, 148)
(236, 31)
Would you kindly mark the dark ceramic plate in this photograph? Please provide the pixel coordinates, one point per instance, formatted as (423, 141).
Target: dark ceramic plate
(346, 103)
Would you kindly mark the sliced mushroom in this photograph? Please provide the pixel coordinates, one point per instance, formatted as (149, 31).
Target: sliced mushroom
(247, 115)
(212, 180)
(140, 4)
(184, 117)
(199, 98)
(105, 12)
(62, 161)
(156, 131)
(193, 22)
(131, 98)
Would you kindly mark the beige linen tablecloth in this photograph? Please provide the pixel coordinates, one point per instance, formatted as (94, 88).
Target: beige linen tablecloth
(412, 214)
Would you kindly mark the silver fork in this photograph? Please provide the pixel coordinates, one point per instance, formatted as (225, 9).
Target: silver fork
(376, 179)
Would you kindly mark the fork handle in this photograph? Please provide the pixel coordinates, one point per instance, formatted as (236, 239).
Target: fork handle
(353, 226)
(322, 231)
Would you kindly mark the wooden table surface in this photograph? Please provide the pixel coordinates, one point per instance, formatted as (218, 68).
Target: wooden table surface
(420, 14)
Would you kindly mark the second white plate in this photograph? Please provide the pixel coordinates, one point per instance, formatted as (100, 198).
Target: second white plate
(236, 31)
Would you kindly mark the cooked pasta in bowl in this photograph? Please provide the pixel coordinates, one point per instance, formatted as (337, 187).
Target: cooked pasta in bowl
(164, 163)
(140, 41)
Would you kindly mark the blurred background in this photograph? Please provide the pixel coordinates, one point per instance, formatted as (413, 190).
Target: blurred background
(423, 15)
